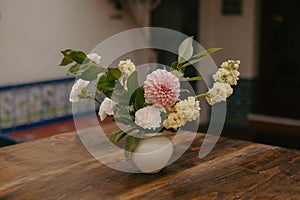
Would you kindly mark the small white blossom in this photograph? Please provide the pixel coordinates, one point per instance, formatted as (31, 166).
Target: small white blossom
(94, 57)
(182, 112)
(224, 64)
(173, 121)
(106, 108)
(148, 117)
(76, 90)
(188, 109)
(231, 65)
(219, 92)
(126, 66)
(226, 76)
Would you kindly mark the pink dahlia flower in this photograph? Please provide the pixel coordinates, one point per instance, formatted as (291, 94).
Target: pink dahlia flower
(161, 88)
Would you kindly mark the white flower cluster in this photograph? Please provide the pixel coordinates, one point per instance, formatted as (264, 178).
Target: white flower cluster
(219, 92)
(228, 72)
(182, 112)
(226, 76)
(231, 64)
(188, 109)
(126, 66)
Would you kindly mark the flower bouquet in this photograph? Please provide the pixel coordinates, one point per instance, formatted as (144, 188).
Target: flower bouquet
(155, 106)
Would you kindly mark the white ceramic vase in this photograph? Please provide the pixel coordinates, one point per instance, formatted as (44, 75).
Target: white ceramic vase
(152, 154)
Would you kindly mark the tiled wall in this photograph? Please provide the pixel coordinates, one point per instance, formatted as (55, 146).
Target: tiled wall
(240, 104)
(33, 104)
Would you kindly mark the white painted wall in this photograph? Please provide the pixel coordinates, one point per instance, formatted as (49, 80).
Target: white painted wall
(32, 33)
(236, 34)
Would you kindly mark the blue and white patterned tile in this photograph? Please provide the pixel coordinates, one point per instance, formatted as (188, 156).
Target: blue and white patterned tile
(21, 109)
(68, 104)
(7, 109)
(35, 104)
(60, 98)
(48, 101)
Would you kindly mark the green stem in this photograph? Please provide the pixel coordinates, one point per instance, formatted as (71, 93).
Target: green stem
(196, 78)
(201, 95)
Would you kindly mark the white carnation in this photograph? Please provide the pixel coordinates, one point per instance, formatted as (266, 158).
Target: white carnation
(148, 117)
(126, 66)
(76, 90)
(94, 57)
(219, 92)
(106, 108)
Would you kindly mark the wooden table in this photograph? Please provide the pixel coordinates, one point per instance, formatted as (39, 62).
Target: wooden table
(60, 167)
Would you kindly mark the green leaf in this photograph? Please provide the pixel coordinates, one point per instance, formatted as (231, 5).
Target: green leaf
(120, 94)
(135, 92)
(65, 61)
(105, 86)
(190, 63)
(74, 69)
(117, 136)
(174, 65)
(89, 72)
(101, 81)
(108, 93)
(207, 52)
(71, 55)
(132, 82)
(109, 86)
(185, 50)
(131, 143)
(137, 99)
(66, 52)
(67, 58)
(82, 68)
(122, 113)
(113, 74)
(78, 56)
(199, 56)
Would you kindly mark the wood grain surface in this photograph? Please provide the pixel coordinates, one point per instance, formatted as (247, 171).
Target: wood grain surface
(60, 167)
